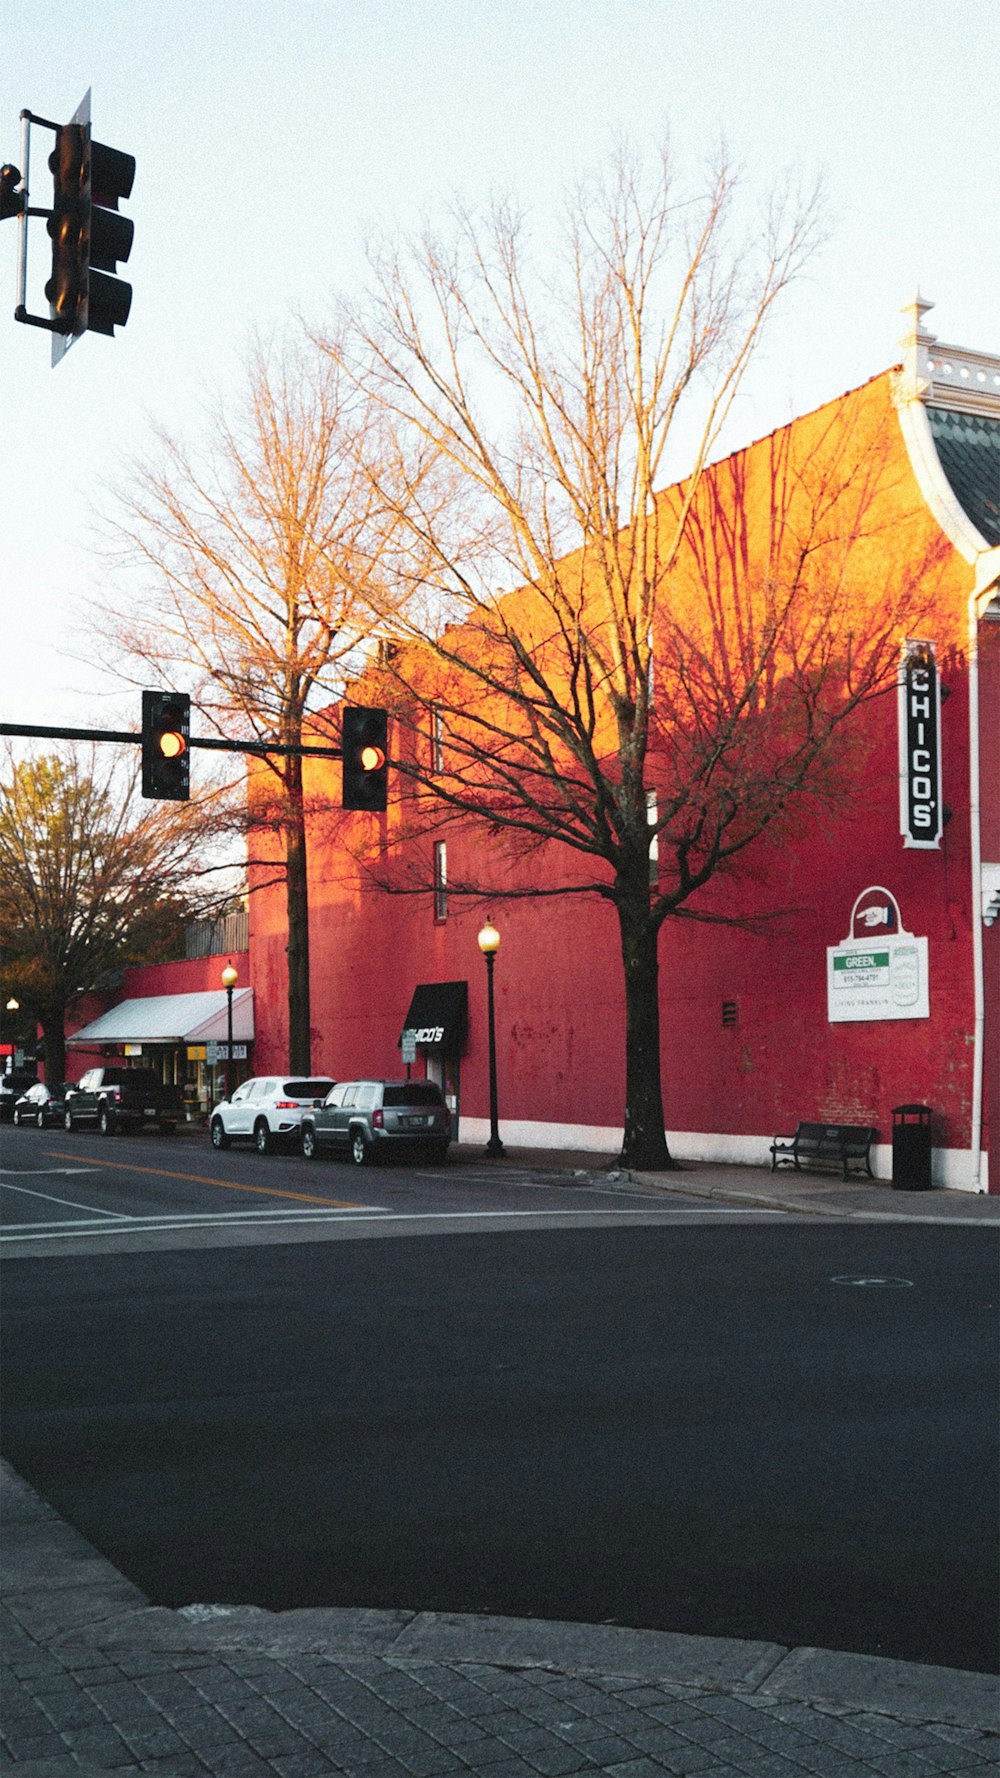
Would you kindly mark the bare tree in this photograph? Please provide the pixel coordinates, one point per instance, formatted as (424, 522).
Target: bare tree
(262, 557)
(88, 882)
(671, 667)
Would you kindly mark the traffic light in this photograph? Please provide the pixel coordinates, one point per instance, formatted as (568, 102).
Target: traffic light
(89, 237)
(166, 735)
(364, 737)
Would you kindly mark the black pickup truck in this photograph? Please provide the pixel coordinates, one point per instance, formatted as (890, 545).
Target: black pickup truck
(113, 1098)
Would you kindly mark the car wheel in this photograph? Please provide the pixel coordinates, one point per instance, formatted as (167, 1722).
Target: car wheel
(262, 1137)
(218, 1132)
(17, 1118)
(67, 1119)
(105, 1122)
(310, 1147)
(40, 1118)
(361, 1154)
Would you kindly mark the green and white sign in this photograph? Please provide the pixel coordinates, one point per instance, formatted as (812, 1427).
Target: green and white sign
(882, 976)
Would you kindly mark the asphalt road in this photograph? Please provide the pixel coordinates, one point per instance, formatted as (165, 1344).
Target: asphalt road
(678, 1424)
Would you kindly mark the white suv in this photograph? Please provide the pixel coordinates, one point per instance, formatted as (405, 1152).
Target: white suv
(266, 1110)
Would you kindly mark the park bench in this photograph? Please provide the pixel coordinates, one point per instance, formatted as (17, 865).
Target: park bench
(843, 1145)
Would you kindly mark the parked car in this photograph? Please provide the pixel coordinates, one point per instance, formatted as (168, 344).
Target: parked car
(115, 1097)
(42, 1104)
(11, 1088)
(267, 1109)
(365, 1119)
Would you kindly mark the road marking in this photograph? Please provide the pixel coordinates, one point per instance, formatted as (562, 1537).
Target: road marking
(67, 1203)
(139, 1225)
(265, 1191)
(41, 1172)
(876, 1283)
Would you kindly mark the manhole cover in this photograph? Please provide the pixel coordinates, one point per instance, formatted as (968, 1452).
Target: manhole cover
(865, 1283)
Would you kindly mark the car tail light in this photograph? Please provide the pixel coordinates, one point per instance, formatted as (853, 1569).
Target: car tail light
(378, 1121)
(116, 1095)
(286, 1104)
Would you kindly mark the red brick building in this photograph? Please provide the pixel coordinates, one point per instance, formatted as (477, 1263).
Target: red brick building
(874, 980)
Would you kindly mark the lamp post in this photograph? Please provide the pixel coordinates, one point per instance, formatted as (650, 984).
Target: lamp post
(230, 977)
(489, 944)
(12, 1006)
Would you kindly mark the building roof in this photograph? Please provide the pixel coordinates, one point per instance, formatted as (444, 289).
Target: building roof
(968, 446)
(173, 1018)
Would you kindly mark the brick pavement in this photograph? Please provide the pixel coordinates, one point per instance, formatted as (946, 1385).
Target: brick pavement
(97, 1681)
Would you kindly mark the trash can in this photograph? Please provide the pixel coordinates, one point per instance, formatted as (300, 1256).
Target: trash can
(911, 1148)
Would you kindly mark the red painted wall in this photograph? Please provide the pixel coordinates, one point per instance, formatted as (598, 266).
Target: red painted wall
(188, 975)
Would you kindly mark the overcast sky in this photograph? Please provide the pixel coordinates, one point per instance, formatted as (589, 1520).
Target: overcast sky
(270, 137)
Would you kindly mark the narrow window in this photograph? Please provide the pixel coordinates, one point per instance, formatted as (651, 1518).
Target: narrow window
(729, 1012)
(437, 739)
(440, 880)
(652, 816)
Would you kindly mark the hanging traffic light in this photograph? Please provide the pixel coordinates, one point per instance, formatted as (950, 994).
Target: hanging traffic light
(166, 736)
(89, 237)
(364, 738)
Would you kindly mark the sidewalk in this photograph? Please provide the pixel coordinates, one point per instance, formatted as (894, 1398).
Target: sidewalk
(98, 1681)
(803, 1194)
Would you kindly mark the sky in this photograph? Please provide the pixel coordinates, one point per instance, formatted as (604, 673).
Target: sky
(270, 140)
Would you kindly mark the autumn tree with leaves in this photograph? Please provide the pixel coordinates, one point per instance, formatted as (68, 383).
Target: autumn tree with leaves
(615, 664)
(90, 879)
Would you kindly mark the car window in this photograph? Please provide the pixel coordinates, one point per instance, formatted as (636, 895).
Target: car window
(259, 1089)
(350, 1095)
(243, 1092)
(335, 1095)
(366, 1094)
(413, 1092)
(86, 1081)
(306, 1089)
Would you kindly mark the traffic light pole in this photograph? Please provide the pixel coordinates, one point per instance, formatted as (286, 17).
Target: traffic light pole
(260, 748)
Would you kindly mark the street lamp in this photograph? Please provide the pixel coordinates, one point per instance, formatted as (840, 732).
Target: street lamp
(13, 1006)
(230, 977)
(489, 944)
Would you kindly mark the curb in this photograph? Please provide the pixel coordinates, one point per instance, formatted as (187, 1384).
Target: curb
(69, 1597)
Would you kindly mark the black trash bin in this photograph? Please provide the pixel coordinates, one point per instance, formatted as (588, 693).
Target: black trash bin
(911, 1148)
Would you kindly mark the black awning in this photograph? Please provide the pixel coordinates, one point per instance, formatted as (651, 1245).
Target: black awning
(438, 1015)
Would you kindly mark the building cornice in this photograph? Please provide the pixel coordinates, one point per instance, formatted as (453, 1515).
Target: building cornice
(960, 380)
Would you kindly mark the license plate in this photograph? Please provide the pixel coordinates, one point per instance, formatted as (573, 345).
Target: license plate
(415, 1123)
(149, 1111)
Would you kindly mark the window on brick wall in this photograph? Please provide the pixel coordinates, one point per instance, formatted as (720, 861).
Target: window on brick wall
(652, 816)
(440, 880)
(437, 739)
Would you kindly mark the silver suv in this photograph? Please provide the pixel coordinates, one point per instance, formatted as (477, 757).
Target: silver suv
(367, 1119)
(267, 1109)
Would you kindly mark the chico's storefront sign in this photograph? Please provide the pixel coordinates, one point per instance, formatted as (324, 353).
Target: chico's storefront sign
(920, 805)
(424, 1034)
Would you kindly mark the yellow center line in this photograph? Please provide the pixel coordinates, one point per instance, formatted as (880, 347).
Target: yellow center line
(265, 1191)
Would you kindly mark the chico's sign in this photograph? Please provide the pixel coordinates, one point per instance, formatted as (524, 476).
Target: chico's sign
(920, 805)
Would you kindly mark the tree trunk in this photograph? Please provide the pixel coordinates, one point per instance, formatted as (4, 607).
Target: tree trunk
(645, 1143)
(53, 1023)
(297, 898)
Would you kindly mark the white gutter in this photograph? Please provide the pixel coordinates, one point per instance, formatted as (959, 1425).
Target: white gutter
(987, 582)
